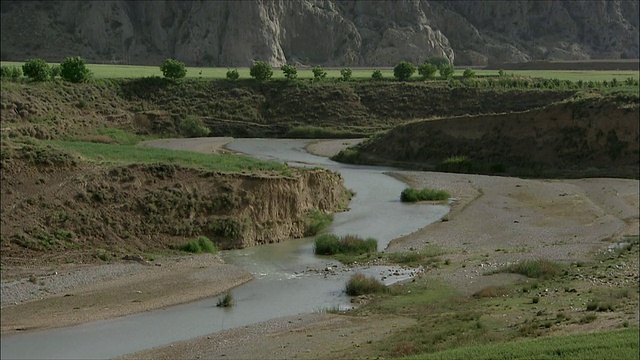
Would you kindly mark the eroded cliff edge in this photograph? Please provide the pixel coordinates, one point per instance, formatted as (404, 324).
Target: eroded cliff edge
(63, 210)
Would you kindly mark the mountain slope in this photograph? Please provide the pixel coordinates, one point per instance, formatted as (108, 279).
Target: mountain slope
(308, 32)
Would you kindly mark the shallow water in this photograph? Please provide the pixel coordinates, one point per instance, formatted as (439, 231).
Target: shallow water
(289, 278)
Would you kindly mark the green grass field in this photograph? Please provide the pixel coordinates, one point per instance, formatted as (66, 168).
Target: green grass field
(106, 71)
(113, 154)
(613, 344)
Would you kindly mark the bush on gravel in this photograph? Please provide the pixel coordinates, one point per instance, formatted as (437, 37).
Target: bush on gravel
(360, 284)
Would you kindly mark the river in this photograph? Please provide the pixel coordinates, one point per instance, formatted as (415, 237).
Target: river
(289, 278)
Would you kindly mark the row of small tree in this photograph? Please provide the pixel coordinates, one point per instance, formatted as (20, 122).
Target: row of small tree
(72, 69)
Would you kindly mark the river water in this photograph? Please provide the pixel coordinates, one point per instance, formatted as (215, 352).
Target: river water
(289, 278)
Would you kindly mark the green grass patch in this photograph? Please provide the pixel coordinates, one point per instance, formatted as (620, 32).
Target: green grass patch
(613, 344)
(539, 269)
(200, 245)
(314, 132)
(426, 194)
(457, 164)
(360, 284)
(424, 256)
(329, 244)
(113, 154)
(317, 222)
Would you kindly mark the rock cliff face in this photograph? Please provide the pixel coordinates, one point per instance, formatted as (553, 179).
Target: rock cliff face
(325, 32)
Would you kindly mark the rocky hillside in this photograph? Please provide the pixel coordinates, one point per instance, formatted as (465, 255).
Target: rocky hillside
(584, 137)
(319, 32)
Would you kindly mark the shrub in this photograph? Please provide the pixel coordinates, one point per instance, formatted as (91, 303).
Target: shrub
(318, 221)
(360, 284)
(74, 69)
(199, 245)
(534, 268)
(501, 73)
(468, 73)
(261, 71)
(207, 245)
(12, 73)
(36, 70)
(376, 75)
(403, 70)
(426, 194)
(427, 70)
(447, 71)
(329, 244)
(193, 126)
(455, 164)
(233, 74)
(290, 72)
(438, 61)
(346, 74)
(173, 69)
(226, 301)
(318, 73)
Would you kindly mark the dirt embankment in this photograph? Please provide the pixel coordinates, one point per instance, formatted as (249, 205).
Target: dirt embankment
(596, 136)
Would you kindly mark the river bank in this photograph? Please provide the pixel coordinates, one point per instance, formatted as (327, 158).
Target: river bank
(508, 218)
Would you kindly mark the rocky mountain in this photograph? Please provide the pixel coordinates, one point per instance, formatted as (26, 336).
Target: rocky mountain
(319, 32)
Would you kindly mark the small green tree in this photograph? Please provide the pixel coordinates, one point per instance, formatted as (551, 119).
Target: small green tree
(438, 61)
(36, 69)
(468, 73)
(193, 126)
(404, 70)
(318, 73)
(261, 71)
(501, 73)
(233, 74)
(290, 71)
(447, 71)
(376, 75)
(427, 70)
(74, 69)
(173, 69)
(346, 74)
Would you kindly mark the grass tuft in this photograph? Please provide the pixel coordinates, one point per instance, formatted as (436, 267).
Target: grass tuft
(329, 244)
(226, 301)
(200, 245)
(360, 284)
(539, 269)
(426, 194)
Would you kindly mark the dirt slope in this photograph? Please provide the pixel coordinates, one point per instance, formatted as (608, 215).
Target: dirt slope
(596, 136)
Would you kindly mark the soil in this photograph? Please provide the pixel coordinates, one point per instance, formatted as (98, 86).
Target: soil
(495, 220)
(508, 221)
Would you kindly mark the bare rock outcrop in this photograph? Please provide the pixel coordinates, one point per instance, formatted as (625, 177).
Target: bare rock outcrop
(325, 32)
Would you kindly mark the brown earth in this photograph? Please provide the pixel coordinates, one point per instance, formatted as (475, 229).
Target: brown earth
(565, 220)
(496, 221)
(44, 187)
(583, 137)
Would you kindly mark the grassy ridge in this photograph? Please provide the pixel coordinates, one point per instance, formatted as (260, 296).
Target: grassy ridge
(129, 154)
(614, 344)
